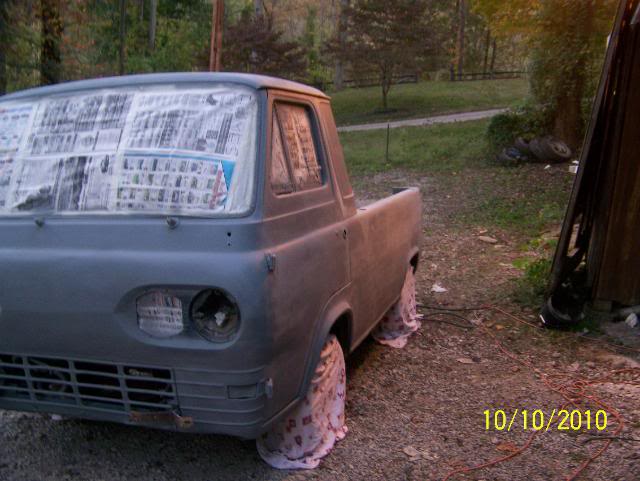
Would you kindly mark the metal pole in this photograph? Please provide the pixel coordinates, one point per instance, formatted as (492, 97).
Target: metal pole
(386, 154)
(215, 52)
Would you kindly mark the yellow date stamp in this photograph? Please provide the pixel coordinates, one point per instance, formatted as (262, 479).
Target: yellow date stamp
(539, 420)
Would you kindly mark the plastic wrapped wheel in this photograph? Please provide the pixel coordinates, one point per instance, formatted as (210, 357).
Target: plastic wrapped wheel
(309, 432)
(402, 320)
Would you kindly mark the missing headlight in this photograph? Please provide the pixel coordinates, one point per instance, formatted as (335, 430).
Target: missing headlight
(215, 315)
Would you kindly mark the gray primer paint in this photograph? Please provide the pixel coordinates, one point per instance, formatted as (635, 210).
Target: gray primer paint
(295, 265)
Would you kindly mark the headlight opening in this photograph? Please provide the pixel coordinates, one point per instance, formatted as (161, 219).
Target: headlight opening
(215, 315)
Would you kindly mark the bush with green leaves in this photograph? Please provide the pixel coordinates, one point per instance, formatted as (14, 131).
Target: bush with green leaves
(527, 121)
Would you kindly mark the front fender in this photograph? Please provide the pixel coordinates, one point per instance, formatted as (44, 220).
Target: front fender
(335, 308)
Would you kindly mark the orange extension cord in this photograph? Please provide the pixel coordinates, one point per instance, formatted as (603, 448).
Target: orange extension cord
(573, 390)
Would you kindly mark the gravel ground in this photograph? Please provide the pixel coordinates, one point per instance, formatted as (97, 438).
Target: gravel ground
(413, 414)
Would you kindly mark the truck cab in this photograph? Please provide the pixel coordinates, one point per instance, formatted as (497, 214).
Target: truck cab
(175, 249)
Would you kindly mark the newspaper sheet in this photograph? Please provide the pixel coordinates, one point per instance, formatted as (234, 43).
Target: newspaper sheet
(154, 150)
(79, 124)
(13, 123)
(172, 181)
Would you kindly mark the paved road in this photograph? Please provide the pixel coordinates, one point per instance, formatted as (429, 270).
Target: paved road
(438, 119)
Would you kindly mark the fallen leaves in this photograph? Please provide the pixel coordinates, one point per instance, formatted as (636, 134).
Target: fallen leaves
(465, 360)
(437, 288)
(509, 448)
(487, 239)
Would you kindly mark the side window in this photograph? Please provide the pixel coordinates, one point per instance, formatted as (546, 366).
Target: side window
(294, 164)
(280, 176)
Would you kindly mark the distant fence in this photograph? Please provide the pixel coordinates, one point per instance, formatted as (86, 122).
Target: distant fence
(497, 75)
(411, 78)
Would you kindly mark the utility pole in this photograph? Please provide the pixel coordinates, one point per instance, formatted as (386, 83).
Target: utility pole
(215, 53)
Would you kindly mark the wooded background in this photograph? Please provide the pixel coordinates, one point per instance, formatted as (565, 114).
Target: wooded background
(330, 43)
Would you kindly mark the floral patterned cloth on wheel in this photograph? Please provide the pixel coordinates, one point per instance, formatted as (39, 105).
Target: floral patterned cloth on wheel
(402, 319)
(309, 432)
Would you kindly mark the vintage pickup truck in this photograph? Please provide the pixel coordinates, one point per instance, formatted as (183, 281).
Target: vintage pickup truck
(176, 248)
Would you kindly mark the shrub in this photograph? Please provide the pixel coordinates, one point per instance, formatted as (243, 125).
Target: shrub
(526, 121)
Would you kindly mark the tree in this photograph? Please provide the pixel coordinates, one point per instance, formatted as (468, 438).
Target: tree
(122, 36)
(254, 45)
(566, 42)
(567, 52)
(386, 36)
(153, 22)
(341, 37)
(52, 28)
(462, 17)
(4, 40)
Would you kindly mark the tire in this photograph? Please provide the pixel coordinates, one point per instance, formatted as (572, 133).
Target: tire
(522, 145)
(402, 319)
(555, 150)
(511, 156)
(310, 430)
(539, 155)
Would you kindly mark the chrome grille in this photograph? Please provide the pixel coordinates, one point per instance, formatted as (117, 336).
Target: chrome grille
(87, 384)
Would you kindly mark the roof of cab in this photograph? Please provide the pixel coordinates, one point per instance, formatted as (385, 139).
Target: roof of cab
(249, 80)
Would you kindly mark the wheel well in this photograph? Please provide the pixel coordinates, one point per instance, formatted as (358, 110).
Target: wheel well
(342, 330)
(414, 261)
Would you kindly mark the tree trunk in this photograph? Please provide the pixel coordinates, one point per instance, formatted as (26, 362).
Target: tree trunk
(153, 21)
(338, 79)
(50, 60)
(122, 37)
(3, 43)
(568, 122)
(487, 45)
(386, 80)
(462, 16)
(257, 8)
(493, 58)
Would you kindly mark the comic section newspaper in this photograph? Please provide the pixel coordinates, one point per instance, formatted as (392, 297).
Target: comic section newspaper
(150, 151)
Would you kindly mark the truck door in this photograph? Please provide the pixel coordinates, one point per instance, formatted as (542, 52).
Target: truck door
(304, 227)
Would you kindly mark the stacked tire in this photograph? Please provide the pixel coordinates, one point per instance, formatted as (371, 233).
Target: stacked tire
(547, 150)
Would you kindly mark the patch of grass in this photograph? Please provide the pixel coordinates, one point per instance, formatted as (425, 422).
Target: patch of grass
(442, 148)
(531, 287)
(527, 215)
(424, 99)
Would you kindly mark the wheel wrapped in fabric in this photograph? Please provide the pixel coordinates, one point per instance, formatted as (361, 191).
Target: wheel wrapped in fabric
(310, 431)
(402, 319)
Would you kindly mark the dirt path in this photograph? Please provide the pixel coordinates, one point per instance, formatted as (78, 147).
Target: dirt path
(438, 119)
(428, 398)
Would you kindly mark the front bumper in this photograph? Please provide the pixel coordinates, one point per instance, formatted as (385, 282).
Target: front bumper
(183, 399)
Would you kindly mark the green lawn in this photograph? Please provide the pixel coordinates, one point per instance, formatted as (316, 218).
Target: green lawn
(363, 105)
(437, 148)
(523, 198)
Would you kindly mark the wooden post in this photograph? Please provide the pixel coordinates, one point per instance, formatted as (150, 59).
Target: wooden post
(215, 53)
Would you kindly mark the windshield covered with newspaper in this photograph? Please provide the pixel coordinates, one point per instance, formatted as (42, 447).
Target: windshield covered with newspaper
(154, 150)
